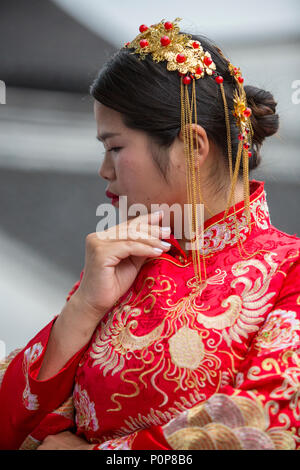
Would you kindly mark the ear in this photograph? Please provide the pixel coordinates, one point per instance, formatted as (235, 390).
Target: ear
(200, 143)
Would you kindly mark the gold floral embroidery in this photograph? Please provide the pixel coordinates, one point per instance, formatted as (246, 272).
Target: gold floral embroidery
(85, 410)
(221, 234)
(30, 400)
(290, 390)
(280, 331)
(122, 443)
(260, 212)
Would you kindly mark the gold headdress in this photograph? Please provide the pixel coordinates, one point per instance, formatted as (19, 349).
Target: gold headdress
(182, 54)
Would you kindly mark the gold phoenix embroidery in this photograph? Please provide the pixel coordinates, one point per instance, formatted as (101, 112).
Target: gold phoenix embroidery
(245, 311)
(181, 328)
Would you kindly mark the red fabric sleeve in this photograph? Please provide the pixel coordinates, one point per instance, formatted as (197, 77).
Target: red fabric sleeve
(24, 400)
(145, 439)
(152, 438)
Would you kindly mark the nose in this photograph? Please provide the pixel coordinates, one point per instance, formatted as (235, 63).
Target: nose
(106, 170)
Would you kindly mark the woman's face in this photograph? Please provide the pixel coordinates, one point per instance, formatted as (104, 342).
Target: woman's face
(129, 167)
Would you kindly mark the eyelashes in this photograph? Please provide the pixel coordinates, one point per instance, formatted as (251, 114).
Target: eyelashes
(113, 149)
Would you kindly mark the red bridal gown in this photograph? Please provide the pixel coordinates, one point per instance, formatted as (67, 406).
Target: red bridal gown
(169, 345)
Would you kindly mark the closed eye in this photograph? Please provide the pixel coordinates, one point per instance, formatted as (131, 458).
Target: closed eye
(114, 149)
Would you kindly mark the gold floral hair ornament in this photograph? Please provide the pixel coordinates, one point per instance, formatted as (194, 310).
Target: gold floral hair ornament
(164, 42)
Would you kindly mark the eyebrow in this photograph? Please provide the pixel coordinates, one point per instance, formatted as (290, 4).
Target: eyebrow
(106, 135)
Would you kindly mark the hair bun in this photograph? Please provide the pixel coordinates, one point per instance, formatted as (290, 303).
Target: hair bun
(264, 120)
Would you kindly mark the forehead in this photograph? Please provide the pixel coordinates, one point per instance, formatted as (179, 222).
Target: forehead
(107, 118)
(110, 122)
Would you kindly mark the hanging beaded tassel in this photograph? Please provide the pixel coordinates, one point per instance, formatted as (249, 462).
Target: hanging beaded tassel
(242, 115)
(188, 116)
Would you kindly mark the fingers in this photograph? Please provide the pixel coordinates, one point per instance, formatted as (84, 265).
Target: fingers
(135, 248)
(144, 228)
(145, 231)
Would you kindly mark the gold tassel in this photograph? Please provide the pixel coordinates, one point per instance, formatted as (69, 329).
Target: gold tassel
(242, 152)
(227, 121)
(201, 200)
(194, 194)
(192, 176)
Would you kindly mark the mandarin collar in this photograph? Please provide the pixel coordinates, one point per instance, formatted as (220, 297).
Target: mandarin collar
(219, 233)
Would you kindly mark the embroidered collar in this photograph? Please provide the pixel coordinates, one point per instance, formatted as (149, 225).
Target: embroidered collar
(219, 233)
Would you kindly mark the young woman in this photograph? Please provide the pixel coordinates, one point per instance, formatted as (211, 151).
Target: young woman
(145, 354)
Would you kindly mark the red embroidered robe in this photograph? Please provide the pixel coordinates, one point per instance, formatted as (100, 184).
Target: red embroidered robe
(168, 345)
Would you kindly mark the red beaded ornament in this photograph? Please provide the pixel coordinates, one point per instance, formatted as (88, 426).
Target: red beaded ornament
(180, 58)
(144, 43)
(207, 60)
(143, 28)
(165, 40)
(247, 113)
(187, 80)
(168, 25)
(219, 79)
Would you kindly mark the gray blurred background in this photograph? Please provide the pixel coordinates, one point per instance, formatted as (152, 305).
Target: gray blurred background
(49, 158)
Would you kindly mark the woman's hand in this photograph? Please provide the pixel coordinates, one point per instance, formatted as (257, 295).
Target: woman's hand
(112, 262)
(65, 441)
(113, 259)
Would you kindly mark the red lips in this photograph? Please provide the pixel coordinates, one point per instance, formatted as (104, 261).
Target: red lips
(111, 195)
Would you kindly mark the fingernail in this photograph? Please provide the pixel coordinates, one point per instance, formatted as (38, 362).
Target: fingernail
(158, 250)
(166, 244)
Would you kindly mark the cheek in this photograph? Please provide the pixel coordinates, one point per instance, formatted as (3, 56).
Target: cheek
(128, 176)
(132, 170)
(139, 178)
(125, 169)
